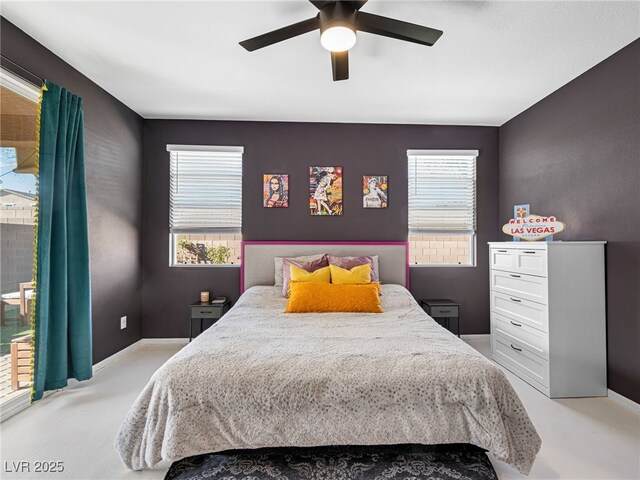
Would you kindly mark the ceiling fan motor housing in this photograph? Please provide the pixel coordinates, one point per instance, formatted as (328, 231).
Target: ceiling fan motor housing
(337, 14)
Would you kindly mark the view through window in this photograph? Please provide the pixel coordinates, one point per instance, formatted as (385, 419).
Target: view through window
(19, 108)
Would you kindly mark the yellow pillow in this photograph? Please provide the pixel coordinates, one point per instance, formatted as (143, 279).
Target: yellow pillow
(359, 274)
(322, 275)
(329, 297)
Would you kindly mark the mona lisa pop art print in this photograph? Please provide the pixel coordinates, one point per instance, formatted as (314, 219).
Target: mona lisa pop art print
(275, 190)
(325, 190)
(375, 191)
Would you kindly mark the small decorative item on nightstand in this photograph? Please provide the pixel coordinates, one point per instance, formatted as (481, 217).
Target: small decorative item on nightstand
(443, 311)
(206, 311)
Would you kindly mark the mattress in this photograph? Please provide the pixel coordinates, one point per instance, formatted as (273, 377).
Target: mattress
(262, 378)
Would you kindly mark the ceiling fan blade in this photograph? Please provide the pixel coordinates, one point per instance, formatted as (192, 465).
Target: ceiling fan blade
(340, 65)
(389, 27)
(281, 34)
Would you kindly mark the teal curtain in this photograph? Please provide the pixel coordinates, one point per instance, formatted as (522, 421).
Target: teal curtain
(62, 315)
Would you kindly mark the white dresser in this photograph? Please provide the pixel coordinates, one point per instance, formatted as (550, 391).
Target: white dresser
(548, 318)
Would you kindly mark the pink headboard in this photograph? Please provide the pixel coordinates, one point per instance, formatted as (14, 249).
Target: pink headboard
(257, 267)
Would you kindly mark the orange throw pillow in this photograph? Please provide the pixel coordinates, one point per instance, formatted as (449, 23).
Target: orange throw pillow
(330, 297)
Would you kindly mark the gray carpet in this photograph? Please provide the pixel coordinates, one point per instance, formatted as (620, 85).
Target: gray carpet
(406, 462)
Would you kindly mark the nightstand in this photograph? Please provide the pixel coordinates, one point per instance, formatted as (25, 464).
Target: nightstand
(206, 311)
(443, 311)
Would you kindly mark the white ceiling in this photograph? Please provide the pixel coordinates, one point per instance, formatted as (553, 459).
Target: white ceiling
(177, 59)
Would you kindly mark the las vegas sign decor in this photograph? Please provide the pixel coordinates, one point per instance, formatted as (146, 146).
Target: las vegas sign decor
(533, 227)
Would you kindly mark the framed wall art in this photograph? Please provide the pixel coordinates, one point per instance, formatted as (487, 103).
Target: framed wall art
(375, 191)
(275, 190)
(325, 190)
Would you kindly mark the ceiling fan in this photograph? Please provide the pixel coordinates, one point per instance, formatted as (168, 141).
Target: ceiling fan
(338, 21)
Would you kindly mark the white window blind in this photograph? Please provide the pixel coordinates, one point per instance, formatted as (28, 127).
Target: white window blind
(442, 191)
(206, 189)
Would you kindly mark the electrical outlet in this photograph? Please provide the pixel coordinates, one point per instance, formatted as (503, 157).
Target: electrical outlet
(123, 322)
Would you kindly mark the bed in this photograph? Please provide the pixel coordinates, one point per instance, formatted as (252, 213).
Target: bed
(263, 378)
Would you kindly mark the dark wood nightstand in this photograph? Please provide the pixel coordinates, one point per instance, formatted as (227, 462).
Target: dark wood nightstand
(206, 311)
(443, 311)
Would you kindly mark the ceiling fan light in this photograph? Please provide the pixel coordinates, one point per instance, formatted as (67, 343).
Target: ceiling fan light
(338, 38)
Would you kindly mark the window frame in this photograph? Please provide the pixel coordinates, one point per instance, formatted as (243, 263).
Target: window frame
(19, 85)
(473, 240)
(200, 231)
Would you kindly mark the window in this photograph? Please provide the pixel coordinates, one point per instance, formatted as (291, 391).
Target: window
(18, 117)
(205, 205)
(442, 207)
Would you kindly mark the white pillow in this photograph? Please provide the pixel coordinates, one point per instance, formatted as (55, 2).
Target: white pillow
(304, 258)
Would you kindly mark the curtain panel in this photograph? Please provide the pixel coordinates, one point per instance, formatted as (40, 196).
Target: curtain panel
(62, 313)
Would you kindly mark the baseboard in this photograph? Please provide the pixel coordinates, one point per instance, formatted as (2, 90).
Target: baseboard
(20, 403)
(117, 356)
(480, 336)
(164, 341)
(135, 346)
(624, 401)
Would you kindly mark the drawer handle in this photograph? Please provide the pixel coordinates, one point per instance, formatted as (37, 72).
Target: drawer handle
(445, 311)
(206, 311)
(514, 275)
(502, 251)
(515, 299)
(516, 324)
(516, 348)
(529, 252)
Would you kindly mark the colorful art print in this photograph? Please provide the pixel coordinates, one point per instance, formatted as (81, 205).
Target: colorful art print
(533, 227)
(375, 191)
(275, 190)
(325, 190)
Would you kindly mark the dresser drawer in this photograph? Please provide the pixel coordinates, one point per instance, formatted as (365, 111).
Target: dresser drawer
(444, 311)
(531, 262)
(533, 339)
(521, 310)
(503, 258)
(516, 354)
(520, 285)
(206, 312)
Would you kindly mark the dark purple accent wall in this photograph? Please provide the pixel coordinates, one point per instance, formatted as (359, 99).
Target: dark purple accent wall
(113, 158)
(576, 154)
(292, 148)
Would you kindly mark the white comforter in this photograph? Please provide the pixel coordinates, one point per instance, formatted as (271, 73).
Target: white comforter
(262, 378)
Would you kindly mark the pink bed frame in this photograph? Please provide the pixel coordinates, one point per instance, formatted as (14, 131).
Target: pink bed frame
(273, 242)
